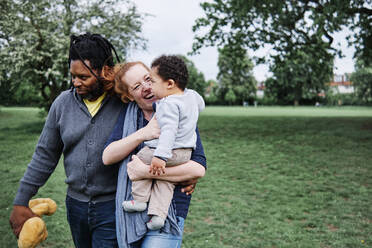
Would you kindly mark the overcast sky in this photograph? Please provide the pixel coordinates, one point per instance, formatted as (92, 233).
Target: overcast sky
(168, 31)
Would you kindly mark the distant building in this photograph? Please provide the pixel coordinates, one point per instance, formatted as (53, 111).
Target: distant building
(260, 90)
(341, 84)
(209, 88)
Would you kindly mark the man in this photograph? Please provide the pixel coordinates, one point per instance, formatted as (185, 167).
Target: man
(78, 124)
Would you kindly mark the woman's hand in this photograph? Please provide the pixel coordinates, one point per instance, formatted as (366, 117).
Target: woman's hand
(151, 130)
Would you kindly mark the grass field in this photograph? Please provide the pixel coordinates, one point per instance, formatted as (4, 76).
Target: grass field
(277, 177)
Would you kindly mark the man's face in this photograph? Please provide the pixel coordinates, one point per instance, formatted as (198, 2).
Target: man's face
(84, 81)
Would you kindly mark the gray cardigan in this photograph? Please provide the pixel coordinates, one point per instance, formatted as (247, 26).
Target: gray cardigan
(71, 130)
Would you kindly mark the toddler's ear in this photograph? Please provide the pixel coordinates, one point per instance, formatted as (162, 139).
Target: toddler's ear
(171, 84)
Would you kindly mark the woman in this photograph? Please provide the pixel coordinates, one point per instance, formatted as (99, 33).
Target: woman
(134, 126)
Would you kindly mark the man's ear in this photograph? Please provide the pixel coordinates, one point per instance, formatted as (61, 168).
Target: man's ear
(171, 84)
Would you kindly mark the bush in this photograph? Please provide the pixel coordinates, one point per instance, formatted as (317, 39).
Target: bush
(23, 95)
(266, 100)
(211, 99)
(343, 99)
(362, 80)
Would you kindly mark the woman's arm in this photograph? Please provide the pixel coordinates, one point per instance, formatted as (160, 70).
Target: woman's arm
(118, 150)
(138, 170)
(193, 169)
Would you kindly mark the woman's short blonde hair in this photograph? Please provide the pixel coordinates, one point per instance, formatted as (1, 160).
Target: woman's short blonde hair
(117, 73)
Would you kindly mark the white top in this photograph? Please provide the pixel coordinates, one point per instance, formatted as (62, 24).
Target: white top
(177, 116)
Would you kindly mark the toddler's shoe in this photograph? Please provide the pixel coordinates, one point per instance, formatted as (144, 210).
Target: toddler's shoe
(155, 223)
(134, 206)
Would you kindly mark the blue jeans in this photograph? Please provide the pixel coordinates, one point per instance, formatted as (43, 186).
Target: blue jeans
(162, 240)
(92, 224)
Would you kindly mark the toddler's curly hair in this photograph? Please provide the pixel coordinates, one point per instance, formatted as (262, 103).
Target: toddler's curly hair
(172, 67)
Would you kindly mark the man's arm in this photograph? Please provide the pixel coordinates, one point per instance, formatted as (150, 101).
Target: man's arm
(45, 158)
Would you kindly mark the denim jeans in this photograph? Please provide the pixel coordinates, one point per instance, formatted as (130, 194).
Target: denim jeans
(92, 224)
(162, 240)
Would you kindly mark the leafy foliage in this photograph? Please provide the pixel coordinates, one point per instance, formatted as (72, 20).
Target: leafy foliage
(34, 38)
(299, 76)
(282, 24)
(362, 81)
(212, 93)
(300, 30)
(230, 97)
(237, 83)
(196, 77)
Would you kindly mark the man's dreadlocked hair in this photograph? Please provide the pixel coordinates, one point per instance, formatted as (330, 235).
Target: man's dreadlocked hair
(98, 51)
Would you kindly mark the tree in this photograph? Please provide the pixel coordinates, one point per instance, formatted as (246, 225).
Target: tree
(286, 26)
(230, 97)
(362, 81)
(212, 92)
(360, 19)
(34, 38)
(196, 78)
(299, 76)
(235, 74)
(283, 24)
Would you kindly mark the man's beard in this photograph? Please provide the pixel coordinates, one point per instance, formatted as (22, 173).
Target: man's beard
(95, 92)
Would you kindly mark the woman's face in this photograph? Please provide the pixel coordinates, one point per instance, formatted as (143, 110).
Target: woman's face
(138, 82)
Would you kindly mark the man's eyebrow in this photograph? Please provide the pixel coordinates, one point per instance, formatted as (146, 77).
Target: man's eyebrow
(80, 75)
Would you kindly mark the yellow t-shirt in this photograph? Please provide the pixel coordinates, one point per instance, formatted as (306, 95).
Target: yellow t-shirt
(94, 106)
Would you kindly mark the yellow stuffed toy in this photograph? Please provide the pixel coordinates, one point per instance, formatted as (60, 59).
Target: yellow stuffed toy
(34, 229)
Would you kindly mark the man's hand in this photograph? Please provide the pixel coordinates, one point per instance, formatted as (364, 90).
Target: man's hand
(157, 166)
(137, 170)
(189, 186)
(19, 215)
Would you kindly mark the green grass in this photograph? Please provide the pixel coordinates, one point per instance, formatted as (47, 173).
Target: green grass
(19, 132)
(277, 177)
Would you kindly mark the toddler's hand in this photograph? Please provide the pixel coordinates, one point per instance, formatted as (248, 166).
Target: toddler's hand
(157, 166)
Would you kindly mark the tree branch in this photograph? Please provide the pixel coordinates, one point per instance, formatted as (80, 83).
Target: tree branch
(41, 40)
(362, 10)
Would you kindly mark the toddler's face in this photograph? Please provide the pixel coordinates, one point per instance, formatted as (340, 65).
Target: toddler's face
(159, 86)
